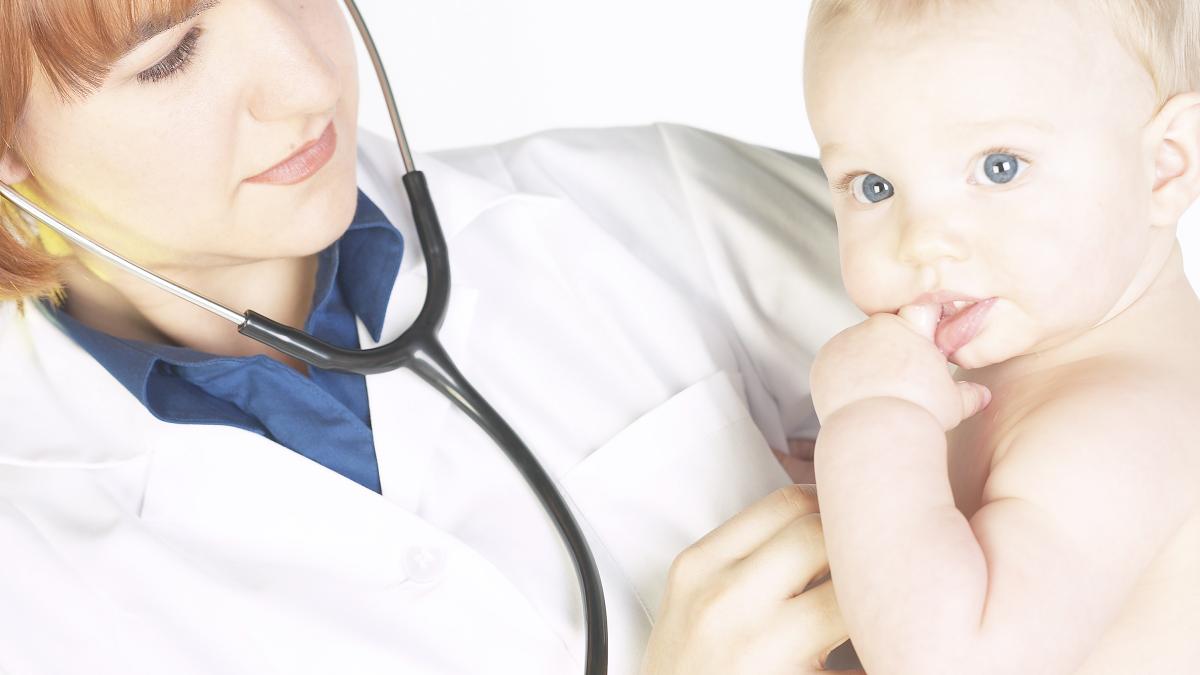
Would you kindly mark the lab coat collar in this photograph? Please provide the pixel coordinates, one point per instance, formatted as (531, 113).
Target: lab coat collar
(460, 196)
(462, 183)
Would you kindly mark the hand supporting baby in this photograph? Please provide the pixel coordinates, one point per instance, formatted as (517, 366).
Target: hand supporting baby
(739, 600)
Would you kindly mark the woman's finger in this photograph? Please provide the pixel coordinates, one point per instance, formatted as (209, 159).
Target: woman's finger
(815, 615)
(803, 448)
(786, 563)
(800, 634)
(737, 537)
(798, 469)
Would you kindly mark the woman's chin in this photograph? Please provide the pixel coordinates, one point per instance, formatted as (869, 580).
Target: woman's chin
(326, 218)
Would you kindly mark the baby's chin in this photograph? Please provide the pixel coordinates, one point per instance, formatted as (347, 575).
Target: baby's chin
(993, 345)
(997, 343)
(977, 354)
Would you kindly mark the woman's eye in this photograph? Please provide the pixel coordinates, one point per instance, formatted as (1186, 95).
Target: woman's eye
(175, 62)
(869, 188)
(999, 167)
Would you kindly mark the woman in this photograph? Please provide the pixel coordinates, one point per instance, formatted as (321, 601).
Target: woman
(177, 498)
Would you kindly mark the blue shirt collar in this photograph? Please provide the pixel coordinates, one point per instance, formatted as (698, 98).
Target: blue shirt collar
(363, 264)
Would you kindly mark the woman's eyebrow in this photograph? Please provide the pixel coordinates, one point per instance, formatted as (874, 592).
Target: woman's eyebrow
(155, 25)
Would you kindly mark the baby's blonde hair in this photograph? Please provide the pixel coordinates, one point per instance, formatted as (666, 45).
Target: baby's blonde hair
(1162, 35)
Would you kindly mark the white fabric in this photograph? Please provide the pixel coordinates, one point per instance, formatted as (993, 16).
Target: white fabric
(642, 305)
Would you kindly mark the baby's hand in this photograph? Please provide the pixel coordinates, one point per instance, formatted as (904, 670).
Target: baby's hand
(893, 355)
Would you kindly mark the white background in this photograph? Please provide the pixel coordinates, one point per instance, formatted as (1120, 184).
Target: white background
(467, 72)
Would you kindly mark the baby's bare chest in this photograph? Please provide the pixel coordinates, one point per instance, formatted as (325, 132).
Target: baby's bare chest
(1155, 630)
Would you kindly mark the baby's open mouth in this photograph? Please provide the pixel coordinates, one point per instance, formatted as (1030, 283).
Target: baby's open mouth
(961, 321)
(949, 309)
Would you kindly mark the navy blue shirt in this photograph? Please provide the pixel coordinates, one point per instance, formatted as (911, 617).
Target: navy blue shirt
(323, 416)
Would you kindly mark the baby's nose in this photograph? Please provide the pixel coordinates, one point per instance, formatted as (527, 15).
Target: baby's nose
(929, 241)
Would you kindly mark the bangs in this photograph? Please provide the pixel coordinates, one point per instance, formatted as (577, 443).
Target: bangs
(77, 41)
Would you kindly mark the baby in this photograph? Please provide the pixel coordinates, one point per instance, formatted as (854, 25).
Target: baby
(1007, 178)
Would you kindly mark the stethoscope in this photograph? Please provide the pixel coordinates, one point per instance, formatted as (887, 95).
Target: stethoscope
(417, 348)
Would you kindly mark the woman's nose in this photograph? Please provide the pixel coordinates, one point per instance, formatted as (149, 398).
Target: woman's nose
(296, 77)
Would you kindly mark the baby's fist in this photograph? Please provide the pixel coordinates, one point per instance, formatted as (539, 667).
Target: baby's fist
(893, 355)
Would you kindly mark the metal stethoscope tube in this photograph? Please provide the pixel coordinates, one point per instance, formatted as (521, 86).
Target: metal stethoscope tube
(417, 349)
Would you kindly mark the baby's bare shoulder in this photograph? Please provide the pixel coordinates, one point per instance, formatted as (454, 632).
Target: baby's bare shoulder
(1110, 422)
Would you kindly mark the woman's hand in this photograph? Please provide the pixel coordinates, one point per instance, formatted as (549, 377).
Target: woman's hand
(737, 603)
(798, 460)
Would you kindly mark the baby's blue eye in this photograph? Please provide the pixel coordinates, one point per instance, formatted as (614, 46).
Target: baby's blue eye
(873, 188)
(1000, 167)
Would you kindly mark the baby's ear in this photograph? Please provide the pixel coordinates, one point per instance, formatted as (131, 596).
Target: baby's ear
(1174, 137)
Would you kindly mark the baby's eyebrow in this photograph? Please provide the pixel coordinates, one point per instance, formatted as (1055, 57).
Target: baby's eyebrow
(830, 149)
(1039, 125)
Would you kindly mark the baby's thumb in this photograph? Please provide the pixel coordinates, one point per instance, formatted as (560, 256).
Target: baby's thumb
(975, 397)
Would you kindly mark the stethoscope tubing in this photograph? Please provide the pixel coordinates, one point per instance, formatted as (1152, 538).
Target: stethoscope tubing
(419, 350)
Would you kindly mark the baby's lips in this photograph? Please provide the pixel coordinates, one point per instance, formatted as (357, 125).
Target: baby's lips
(956, 331)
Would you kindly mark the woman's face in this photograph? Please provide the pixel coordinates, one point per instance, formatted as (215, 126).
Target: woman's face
(155, 162)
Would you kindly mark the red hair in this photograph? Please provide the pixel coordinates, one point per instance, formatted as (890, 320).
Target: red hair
(74, 44)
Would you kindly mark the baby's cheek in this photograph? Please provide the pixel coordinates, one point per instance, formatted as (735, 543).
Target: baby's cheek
(863, 281)
(1049, 274)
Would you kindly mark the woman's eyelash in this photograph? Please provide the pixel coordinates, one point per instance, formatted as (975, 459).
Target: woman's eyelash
(175, 62)
(843, 183)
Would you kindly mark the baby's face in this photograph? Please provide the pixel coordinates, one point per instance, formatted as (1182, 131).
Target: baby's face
(996, 153)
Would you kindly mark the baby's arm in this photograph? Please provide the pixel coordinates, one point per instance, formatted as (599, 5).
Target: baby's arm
(1085, 495)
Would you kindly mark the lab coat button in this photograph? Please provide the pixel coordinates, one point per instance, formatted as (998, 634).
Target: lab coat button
(424, 565)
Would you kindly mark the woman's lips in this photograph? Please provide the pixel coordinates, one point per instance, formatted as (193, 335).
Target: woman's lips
(957, 330)
(300, 166)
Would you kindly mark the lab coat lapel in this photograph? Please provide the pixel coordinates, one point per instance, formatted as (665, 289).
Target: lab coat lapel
(407, 415)
(284, 531)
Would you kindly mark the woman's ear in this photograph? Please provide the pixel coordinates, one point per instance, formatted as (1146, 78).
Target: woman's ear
(13, 169)
(1174, 137)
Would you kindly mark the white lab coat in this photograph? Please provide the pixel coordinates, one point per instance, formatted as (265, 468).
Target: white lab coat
(642, 305)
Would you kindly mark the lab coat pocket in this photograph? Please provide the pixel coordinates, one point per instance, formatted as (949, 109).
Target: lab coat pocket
(673, 475)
